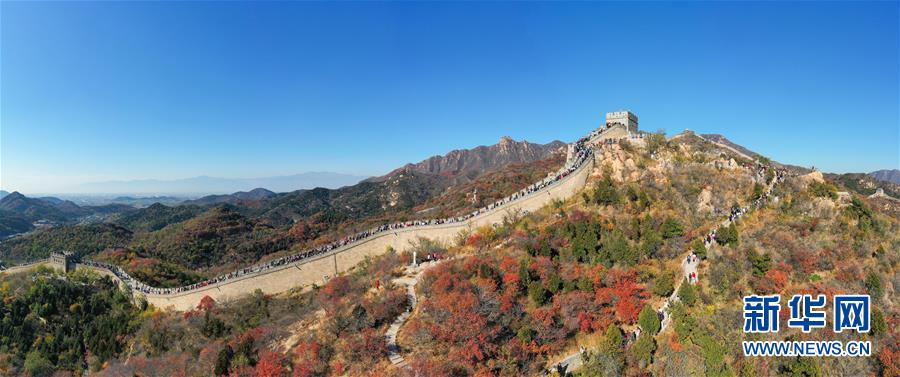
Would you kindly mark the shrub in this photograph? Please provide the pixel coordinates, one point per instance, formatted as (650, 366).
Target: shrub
(671, 228)
(728, 235)
(686, 293)
(823, 190)
(760, 262)
(874, 285)
(605, 192)
(649, 320)
(663, 285)
(699, 248)
(643, 349)
(537, 293)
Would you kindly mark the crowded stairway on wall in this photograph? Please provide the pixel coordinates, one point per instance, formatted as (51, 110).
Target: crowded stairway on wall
(582, 153)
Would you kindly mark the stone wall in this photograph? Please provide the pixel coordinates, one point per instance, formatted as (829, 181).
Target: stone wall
(24, 267)
(316, 270)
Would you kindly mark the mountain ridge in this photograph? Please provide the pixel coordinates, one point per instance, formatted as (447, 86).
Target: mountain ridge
(220, 185)
(887, 175)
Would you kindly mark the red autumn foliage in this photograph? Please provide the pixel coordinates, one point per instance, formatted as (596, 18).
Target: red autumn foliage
(623, 295)
(269, 364)
(206, 303)
(474, 239)
(544, 267)
(890, 362)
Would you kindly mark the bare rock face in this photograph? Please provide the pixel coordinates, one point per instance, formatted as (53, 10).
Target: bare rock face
(466, 164)
(815, 176)
(704, 201)
(823, 208)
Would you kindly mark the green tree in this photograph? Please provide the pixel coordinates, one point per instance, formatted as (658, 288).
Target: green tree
(823, 190)
(213, 327)
(537, 293)
(879, 327)
(554, 284)
(223, 361)
(874, 285)
(651, 242)
(757, 191)
(801, 367)
(612, 341)
(609, 359)
(699, 248)
(671, 228)
(728, 235)
(36, 364)
(663, 285)
(524, 274)
(760, 262)
(643, 349)
(686, 293)
(649, 320)
(684, 324)
(605, 192)
(525, 334)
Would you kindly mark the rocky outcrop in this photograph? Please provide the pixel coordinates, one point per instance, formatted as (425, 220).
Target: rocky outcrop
(466, 164)
(815, 176)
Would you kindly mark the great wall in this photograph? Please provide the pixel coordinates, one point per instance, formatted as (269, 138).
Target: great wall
(318, 269)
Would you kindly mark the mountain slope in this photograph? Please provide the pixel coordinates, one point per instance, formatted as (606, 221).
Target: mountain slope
(407, 186)
(466, 164)
(156, 217)
(217, 185)
(11, 223)
(864, 184)
(240, 197)
(36, 209)
(892, 176)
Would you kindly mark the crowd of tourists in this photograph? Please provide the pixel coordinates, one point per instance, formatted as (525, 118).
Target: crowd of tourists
(581, 151)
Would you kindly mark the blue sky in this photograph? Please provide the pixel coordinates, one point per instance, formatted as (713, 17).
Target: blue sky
(99, 91)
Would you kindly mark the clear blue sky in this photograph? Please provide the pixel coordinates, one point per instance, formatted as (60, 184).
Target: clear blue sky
(97, 91)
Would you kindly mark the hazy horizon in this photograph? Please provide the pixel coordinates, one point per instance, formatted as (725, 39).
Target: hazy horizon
(124, 91)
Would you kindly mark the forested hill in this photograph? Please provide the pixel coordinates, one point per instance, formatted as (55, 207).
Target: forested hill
(519, 297)
(202, 236)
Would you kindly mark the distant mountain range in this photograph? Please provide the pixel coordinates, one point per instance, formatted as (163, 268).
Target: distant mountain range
(18, 212)
(218, 230)
(3, 193)
(892, 175)
(217, 185)
(236, 198)
(466, 164)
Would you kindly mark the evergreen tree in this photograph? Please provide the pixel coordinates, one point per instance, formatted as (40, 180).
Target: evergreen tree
(699, 248)
(649, 320)
(643, 349)
(605, 192)
(874, 285)
(223, 361)
(728, 235)
(664, 284)
(671, 228)
(686, 293)
(759, 262)
(537, 293)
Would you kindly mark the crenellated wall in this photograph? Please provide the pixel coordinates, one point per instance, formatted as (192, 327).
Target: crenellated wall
(317, 270)
(314, 270)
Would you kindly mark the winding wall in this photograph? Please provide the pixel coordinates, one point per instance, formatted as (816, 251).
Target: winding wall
(315, 270)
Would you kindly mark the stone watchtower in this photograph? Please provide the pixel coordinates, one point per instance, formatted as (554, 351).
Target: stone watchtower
(625, 118)
(63, 259)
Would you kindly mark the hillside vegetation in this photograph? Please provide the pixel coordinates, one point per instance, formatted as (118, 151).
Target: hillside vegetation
(180, 245)
(515, 299)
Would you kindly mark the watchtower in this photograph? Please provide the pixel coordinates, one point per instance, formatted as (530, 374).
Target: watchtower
(625, 118)
(63, 259)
